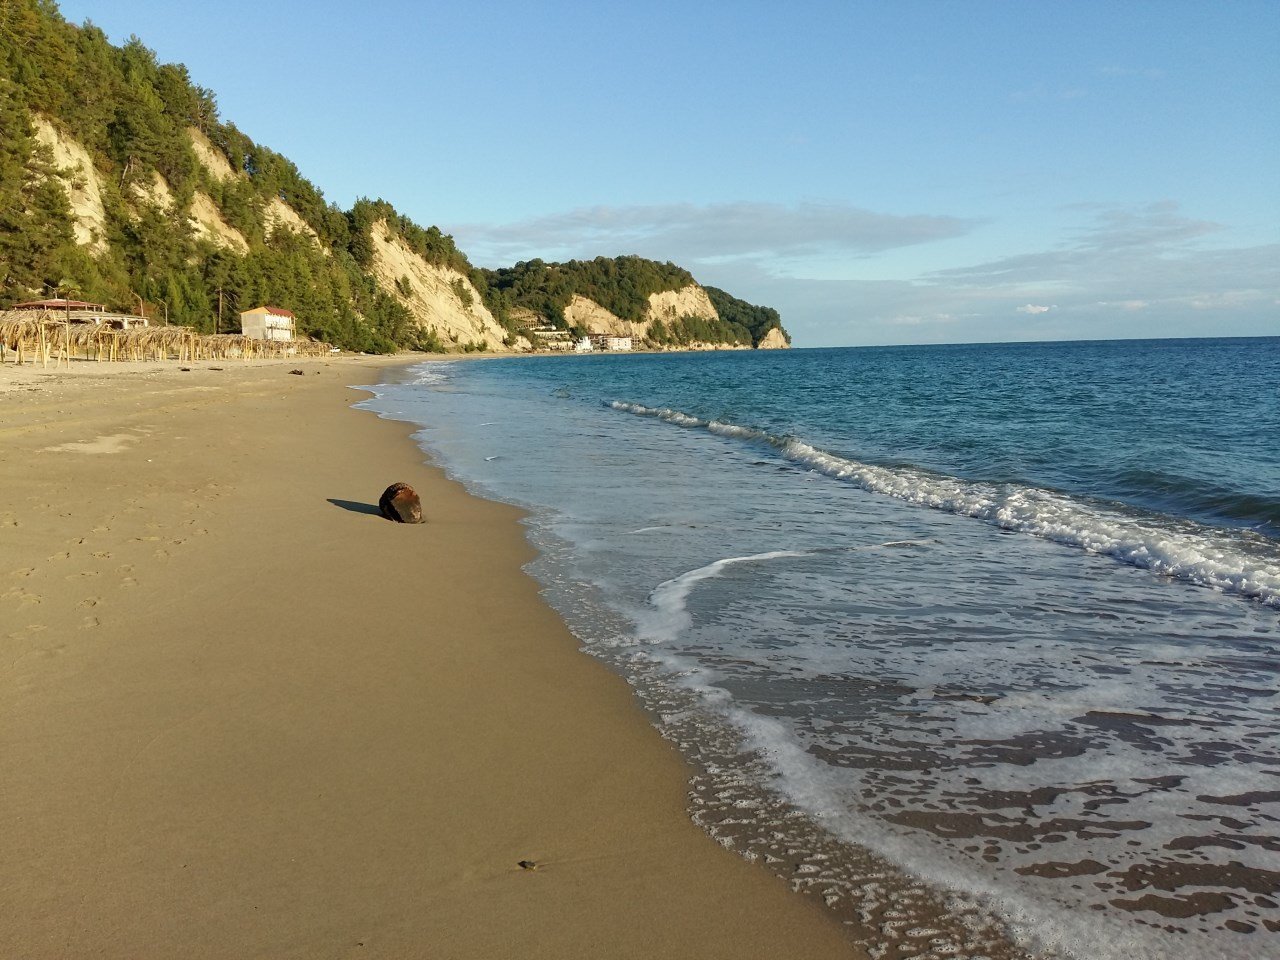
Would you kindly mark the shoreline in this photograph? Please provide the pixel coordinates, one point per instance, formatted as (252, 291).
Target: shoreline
(242, 720)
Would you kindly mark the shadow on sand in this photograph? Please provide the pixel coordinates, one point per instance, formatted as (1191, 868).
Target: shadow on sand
(357, 507)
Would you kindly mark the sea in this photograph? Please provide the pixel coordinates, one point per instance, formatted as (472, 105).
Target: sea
(979, 645)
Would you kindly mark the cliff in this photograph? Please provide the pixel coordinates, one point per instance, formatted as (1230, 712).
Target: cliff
(119, 182)
(658, 304)
(773, 340)
(667, 306)
(74, 168)
(442, 300)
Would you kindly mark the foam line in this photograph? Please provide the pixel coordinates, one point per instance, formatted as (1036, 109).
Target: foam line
(1175, 548)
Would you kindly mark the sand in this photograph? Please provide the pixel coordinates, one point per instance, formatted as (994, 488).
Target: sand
(241, 715)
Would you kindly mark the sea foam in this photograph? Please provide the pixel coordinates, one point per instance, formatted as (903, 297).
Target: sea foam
(1233, 561)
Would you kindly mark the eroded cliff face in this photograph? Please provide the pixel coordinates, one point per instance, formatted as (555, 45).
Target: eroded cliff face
(667, 306)
(79, 178)
(281, 216)
(690, 301)
(439, 298)
(207, 221)
(83, 185)
(210, 157)
(278, 214)
(155, 192)
(590, 316)
(773, 340)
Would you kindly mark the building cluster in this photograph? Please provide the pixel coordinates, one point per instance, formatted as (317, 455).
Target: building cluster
(553, 338)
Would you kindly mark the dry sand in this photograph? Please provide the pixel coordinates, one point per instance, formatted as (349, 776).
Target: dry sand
(243, 716)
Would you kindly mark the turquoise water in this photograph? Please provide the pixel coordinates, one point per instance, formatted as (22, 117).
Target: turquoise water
(988, 629)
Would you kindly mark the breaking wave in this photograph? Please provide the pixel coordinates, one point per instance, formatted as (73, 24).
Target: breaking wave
(1239, 562)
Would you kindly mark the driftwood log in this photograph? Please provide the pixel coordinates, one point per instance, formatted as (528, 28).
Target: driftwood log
(400, 503)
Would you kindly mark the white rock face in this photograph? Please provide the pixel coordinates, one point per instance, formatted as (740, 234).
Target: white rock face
(690, 301)
(590, 316)
(281, 216)
(278, 214)
(79, 179)
(668, 306)
(156, 193)
(437, 295)
(206, 219)
(773, 340)
(210, 156)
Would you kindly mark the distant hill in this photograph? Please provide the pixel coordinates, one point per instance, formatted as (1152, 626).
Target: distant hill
(120, 183)
(658, 303)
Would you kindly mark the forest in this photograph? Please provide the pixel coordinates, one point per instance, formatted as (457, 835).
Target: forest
(134, 116)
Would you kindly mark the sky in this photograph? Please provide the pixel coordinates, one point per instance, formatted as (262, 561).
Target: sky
(879, 172)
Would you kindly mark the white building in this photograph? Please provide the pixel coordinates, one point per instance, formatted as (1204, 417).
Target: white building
(607, 341)
(267, 323)
(583, 345)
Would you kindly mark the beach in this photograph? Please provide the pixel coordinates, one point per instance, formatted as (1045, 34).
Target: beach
(245, 716)
(974, 642)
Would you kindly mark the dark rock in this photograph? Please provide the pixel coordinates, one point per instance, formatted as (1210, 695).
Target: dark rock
(527, 865)
(296, 373)
(400, 503)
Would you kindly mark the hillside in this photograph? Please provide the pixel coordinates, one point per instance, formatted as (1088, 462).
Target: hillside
(658, 303)
(120, 183)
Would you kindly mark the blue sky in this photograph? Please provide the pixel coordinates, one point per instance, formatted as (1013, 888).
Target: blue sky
(880, 172)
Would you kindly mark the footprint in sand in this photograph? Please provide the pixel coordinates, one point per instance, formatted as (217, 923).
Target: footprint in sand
(101, 555)
(22, 596)
(125, 568)
(88, 623)
(24, 572)
(82, 575)
(64, 555)
(90, 601)
(128, 582)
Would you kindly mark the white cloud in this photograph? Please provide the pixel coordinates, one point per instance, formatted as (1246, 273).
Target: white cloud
(1131, 270)
(692, 233)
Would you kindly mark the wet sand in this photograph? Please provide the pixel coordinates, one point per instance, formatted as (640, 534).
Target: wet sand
(242, 715)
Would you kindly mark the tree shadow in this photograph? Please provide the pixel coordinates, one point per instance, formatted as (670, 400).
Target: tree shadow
(356, 507)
